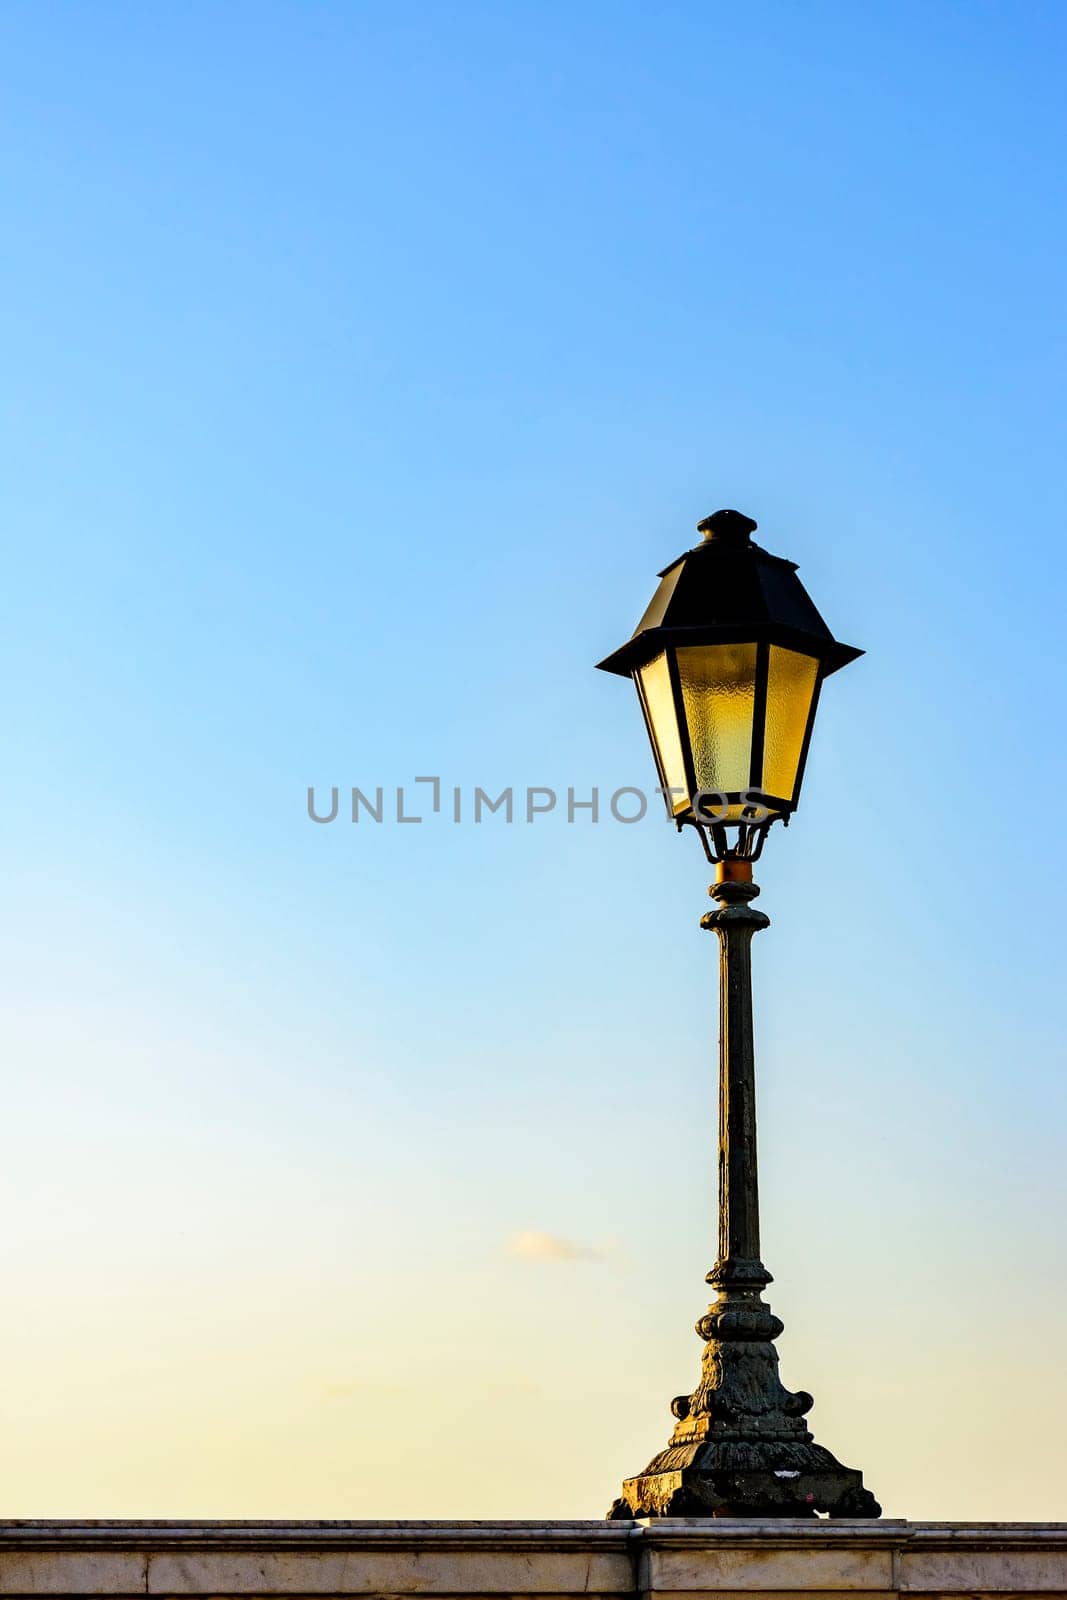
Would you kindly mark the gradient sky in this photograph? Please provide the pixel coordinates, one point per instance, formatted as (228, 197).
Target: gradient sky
(363, 362)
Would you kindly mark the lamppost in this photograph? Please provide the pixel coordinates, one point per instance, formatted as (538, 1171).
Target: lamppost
(728, 661)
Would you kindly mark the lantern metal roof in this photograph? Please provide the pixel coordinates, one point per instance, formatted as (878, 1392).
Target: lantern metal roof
(725, 590)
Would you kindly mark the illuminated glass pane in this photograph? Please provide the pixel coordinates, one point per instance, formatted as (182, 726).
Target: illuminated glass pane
(791, 684)
(659, 707)
(719, 694)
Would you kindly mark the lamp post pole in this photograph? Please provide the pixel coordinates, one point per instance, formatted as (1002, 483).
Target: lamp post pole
(740, 1446)
(735, 921)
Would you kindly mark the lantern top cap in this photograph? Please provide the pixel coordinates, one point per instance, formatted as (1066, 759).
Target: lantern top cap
(727, 590)
(728, 527)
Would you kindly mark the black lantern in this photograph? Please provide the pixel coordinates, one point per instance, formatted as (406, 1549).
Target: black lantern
(728, 661)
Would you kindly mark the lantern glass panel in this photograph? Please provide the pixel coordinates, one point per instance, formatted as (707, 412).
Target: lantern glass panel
(791, 683)
(719, 693)
(658, 701)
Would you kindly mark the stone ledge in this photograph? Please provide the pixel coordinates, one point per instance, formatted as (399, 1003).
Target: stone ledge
(48, 1533)
(652, 1560)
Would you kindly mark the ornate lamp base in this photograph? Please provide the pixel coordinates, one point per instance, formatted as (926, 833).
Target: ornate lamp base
(740, 1447)
(740, 1481)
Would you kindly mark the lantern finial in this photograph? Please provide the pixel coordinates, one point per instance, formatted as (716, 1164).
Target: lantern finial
(727, 527)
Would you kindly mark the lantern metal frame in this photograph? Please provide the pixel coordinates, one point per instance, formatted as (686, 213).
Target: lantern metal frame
(729, 590)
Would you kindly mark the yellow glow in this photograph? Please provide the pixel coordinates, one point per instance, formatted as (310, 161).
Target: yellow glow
(790, 685)
(659, 709)
(719, 693)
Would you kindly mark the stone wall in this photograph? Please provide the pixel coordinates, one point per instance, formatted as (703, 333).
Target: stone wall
(671, 1560)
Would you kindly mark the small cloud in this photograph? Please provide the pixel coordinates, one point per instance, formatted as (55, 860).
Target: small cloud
(533, 1245)
(340, 1391)
(345, 1390)
(515, 1386)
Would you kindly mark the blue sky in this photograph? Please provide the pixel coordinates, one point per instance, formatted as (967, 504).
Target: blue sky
(363, 363)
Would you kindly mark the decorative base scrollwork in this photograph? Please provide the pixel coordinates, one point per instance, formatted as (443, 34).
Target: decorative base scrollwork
(740, 1447)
